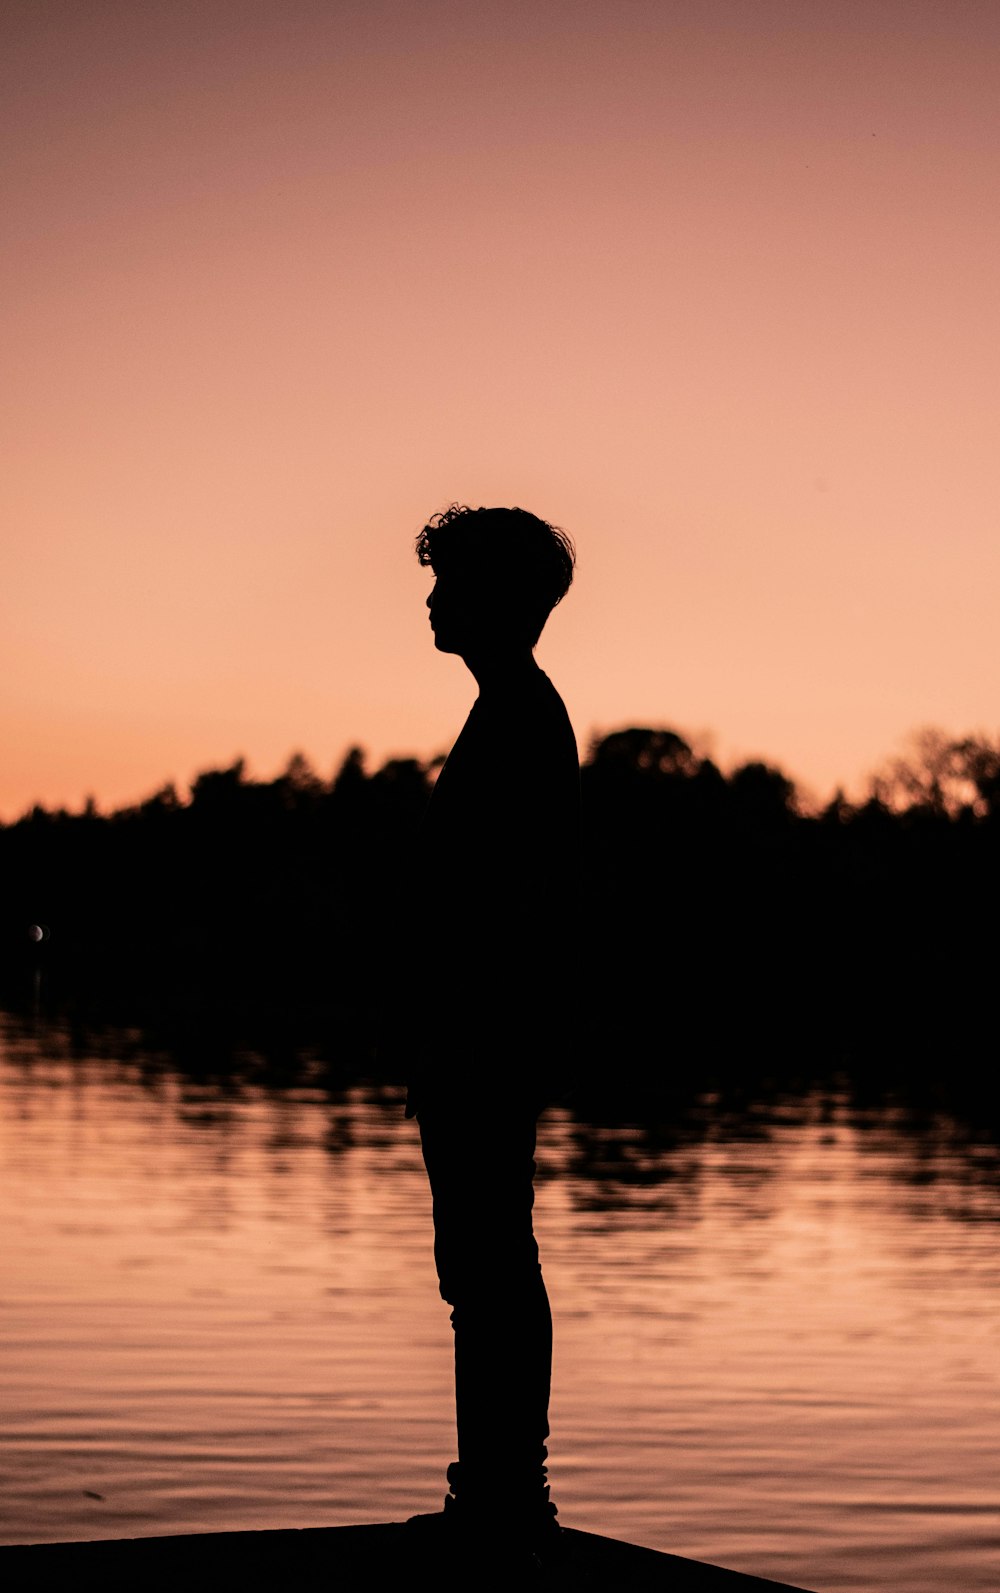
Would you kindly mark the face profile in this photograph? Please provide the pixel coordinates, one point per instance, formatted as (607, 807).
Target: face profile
(441, 607)
(463, 619)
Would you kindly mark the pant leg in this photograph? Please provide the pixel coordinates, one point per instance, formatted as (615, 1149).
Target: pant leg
(480, 1162)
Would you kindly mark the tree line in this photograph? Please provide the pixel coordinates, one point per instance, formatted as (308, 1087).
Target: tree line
(718, 914)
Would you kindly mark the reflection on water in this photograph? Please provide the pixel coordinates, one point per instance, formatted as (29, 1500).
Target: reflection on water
(776, 1325)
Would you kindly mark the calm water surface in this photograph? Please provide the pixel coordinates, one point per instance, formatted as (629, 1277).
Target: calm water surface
(776, 1333)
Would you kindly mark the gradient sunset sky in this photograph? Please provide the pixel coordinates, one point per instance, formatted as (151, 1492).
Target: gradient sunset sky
(714, 285)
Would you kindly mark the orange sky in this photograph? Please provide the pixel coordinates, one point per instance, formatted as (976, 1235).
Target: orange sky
(713, 285)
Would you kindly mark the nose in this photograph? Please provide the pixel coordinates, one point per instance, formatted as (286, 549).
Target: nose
(430, 598)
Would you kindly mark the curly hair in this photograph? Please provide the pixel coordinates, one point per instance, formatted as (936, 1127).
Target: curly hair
(474, 544)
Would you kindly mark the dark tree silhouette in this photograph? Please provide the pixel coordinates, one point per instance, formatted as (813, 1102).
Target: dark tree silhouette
(718, 915)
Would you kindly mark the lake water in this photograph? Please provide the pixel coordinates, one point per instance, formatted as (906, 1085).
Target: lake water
(776, 1328)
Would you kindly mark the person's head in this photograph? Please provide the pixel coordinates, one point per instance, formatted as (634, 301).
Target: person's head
(499, 574)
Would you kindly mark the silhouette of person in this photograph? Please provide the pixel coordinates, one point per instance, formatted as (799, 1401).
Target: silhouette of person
(499, 873)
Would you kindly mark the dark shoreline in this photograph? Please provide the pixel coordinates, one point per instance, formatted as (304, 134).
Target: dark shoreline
(718, 916)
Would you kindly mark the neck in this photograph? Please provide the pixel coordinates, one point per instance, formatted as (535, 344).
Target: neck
(500, 667)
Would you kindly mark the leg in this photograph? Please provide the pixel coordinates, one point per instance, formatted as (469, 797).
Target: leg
(480, 1162)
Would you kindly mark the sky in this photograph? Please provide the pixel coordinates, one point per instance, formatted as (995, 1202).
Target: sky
(711, 285)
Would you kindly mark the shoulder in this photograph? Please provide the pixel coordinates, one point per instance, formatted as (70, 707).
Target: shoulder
(550, 716)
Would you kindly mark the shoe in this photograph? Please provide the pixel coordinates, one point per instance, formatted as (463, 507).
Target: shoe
(460, 1533)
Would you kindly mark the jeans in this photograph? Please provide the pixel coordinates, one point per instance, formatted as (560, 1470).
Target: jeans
(480, 1161)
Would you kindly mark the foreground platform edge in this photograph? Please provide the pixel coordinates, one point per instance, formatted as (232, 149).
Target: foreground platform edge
(340, 1559)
